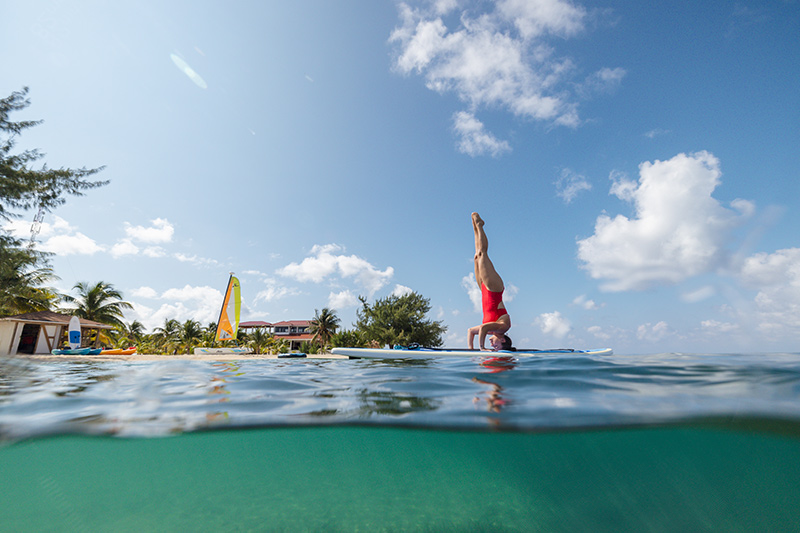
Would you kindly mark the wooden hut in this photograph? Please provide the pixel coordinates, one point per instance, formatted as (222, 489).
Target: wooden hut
(40, 332)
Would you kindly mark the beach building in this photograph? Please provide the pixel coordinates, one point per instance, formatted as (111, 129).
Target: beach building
(40, 332)
(295, 332)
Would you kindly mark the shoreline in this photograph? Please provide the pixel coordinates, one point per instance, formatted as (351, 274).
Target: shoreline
(162, 357)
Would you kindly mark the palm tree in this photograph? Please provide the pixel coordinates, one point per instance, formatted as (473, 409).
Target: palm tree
(136, 331)
(100, 302)
(130, 335)
(190, 335)
(260, 339)
(21, 280)
(167, 337)
(323, 326)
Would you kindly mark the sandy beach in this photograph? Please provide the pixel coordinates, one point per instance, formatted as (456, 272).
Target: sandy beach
(179, 357)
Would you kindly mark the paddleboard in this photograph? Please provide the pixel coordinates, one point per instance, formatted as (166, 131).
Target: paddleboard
(429, 353)
(74, 333)
(222, 351)
(291, 355)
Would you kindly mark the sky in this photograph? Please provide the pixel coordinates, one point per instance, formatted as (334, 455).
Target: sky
(636, 163)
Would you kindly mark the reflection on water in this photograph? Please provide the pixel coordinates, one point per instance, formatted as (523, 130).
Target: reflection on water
(481, 392)
(496, 398)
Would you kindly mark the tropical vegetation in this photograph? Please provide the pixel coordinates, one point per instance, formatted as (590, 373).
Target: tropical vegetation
(24, 272)
(399, 320)
(323, 326)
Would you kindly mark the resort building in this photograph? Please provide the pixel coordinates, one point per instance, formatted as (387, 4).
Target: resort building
(295, 332)
(41, 332)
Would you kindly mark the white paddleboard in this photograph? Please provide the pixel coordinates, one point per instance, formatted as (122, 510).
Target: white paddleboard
(428, 353)
(222, 351)
(74, 332)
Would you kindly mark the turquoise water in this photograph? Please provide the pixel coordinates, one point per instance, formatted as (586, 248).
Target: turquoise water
(666, 442)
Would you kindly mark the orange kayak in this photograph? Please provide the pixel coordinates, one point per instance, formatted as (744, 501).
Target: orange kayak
(127, 351)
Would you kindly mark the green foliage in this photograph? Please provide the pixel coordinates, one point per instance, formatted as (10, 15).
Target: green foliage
(100, 302)
(260, 340)
(323, 326)
(22, 187)
(165, 338)
(399, 320)
(190, 336)
(309, 348)
(128, 335)
(348, 339)
(24, 271)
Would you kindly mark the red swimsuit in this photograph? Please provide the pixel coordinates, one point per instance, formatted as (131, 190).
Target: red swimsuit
(491, 301)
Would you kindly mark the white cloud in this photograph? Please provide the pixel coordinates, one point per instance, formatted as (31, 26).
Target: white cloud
(473, 291)
(75, 244)
(554, 324)
(57, 237)
(342, 300)
(401, 290)
(703, 293)
(189, 293)
(653, 333)
(652, 134)
(605, 80)
(124, 247)
(679, 229)
(145, 292)
(19, 229)
(715, 327)
(474, 140)
(587, 304)
(154, 251)
(598, 332)
(326, 262)
(500, 59)
(510, 292)
(195, 303)
(777, 278)
(536, 18)
(569, 184)
(161, 231)
(195, 259)
(274, 291)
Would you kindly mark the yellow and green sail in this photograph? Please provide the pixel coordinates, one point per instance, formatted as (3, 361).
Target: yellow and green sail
(228, 323)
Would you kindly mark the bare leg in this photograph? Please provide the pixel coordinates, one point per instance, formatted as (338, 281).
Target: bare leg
(485, 274)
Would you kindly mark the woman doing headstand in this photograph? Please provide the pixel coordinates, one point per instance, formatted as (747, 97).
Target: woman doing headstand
(496, 321)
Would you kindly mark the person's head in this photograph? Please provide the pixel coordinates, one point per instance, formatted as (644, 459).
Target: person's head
(501, 341)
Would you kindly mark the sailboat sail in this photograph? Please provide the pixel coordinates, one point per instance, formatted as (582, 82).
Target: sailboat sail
(228, 323)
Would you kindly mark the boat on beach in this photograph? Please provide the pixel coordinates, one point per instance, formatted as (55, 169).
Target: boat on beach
(228, 323)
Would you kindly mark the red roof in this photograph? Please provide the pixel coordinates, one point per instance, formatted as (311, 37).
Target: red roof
(295, 323)
(255, 324)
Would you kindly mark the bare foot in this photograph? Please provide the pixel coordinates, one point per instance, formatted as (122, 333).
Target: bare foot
(477, 220)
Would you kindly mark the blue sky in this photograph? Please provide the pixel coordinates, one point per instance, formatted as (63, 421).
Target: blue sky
(636, 162)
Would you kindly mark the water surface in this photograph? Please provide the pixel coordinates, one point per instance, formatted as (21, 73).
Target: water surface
(668, 442)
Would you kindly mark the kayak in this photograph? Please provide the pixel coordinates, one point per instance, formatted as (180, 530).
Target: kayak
(117, 351)
(78, 351)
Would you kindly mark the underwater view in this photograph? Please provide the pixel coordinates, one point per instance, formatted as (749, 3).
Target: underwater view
(667, 442)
